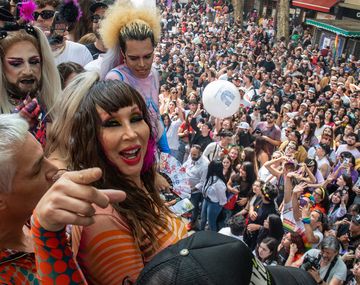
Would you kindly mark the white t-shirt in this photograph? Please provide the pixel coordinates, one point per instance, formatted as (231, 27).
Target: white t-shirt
(321, 162)
(291, 225)
(319, 131)
(74, 52)
(227, 232)
(172, 134)
(344, 147)
(95, 65)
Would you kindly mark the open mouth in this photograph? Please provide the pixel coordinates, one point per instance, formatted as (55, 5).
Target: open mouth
(27, 81)
(131, 156)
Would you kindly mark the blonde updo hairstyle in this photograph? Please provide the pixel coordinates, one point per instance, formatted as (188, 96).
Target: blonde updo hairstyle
(125, 22)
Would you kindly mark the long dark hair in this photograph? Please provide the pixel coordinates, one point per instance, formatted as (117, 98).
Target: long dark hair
(142, 210)
(250, 173)
(348, 180)
(163, 116)
(276, 229)
(230, 169)
(215, 169)
(312, 127)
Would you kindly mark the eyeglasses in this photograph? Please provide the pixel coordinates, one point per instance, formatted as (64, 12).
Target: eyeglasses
(96, 18)
(45, 14)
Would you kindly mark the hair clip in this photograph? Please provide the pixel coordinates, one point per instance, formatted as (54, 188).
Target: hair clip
(3, 34)
(13, 27)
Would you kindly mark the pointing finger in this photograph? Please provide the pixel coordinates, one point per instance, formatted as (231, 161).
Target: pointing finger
(86, 176)
(114, 195)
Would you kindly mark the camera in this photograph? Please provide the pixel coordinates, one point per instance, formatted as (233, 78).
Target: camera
(310, 261)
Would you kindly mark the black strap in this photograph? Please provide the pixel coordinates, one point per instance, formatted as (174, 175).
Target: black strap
(332, 264)
(216, 145)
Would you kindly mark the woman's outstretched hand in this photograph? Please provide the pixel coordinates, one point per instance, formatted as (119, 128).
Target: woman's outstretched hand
(70, 200)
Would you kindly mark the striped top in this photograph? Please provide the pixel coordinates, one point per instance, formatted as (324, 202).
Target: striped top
(107, 252)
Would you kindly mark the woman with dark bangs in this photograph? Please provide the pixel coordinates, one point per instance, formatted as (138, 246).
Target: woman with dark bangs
(308, 136)
(106, 124)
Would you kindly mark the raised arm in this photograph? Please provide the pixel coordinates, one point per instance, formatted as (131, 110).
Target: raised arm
(270, 166)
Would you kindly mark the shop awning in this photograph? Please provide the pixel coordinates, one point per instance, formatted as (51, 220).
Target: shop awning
(318, 5)
(346, 28)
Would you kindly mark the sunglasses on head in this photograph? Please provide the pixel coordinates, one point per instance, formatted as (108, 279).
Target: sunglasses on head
(96, 18)
(45, 14)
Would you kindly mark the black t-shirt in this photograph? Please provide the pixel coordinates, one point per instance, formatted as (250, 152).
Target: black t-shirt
(263, 211)
(263, 106)
(94, 50)
(245, 139)
(269, 65)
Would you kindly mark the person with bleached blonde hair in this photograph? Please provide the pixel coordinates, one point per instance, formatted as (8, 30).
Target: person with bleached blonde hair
(30, 81)
(130, 34)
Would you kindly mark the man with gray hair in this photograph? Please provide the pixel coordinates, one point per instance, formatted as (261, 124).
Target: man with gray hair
(324, 264)
(29, 180)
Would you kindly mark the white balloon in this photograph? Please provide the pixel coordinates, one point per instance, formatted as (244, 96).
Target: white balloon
(151, 4)
(221, 99)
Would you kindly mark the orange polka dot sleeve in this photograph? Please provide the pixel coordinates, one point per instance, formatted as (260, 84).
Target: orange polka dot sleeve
(54, 258)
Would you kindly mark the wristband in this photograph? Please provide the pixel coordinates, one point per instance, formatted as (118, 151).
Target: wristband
(306, 220)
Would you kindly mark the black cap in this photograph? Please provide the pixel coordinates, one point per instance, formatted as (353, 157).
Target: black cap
(211, 258)
(98, 4)
(225, 133)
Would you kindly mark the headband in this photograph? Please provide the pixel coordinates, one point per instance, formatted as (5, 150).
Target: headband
(13, 27)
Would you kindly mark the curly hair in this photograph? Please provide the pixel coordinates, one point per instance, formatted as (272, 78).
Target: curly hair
(123, 21)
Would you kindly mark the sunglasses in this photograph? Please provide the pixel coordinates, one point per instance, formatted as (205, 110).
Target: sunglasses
(96, 18)
(45, 14)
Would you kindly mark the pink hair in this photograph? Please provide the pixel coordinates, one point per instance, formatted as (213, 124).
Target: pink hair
(149, 155)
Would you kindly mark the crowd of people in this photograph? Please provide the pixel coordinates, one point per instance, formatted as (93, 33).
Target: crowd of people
(281, 174)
